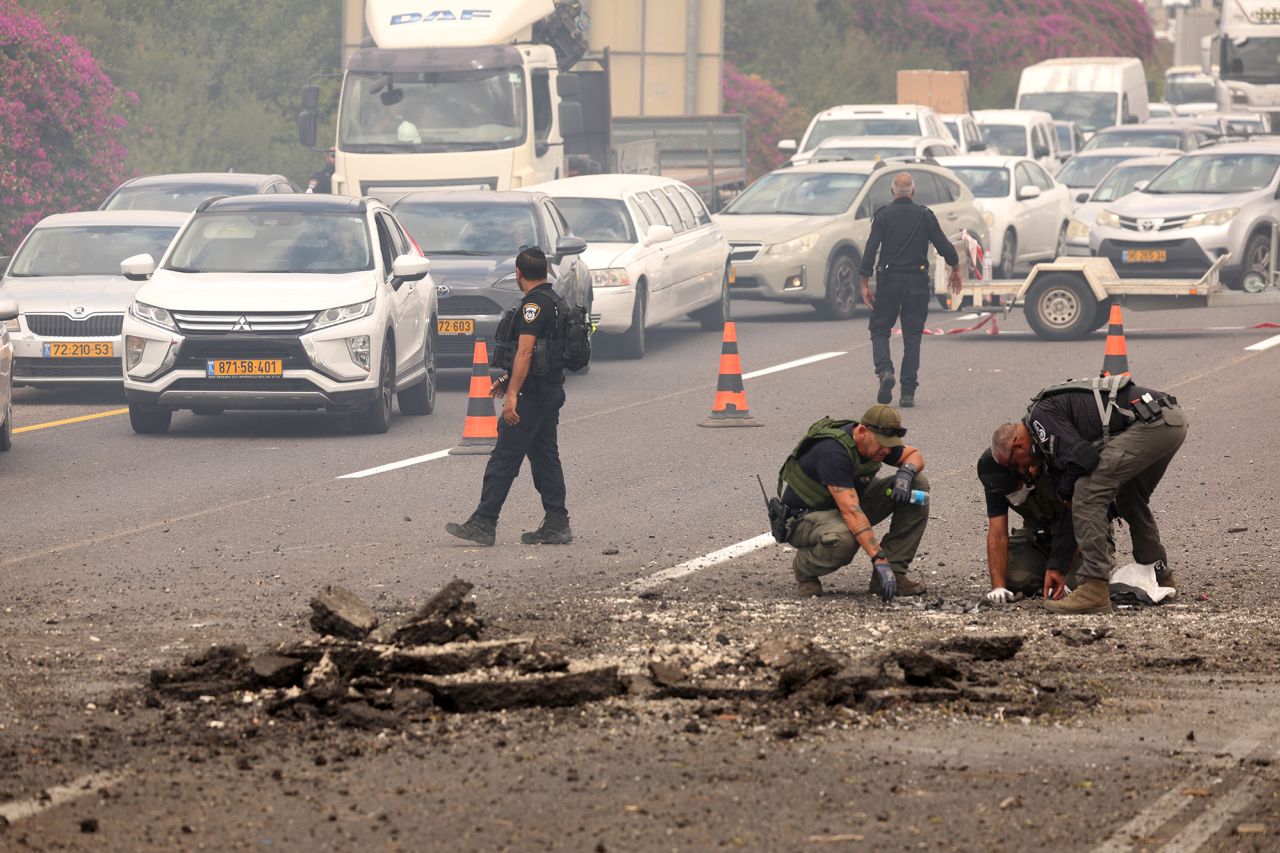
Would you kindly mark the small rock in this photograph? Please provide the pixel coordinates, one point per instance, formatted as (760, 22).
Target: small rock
(89, 824)
(667, 673)
(609, 552)
(1251, 829)
(1237, 530)
(338, 612)
(693, 727)
(276, 670)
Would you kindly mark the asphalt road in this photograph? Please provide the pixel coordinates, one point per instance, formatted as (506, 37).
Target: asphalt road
(121, 552)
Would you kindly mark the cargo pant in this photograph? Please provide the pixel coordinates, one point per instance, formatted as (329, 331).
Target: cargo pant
(1028, 562)
(1130, 468)
(824, 543)
(902, 295)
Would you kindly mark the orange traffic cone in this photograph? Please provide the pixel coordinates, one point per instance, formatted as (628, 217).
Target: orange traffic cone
(1116, 360)
(730, 406)
(480, 432)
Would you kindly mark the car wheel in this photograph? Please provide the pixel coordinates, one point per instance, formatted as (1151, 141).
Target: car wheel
(149, 420)
(1008, 254)
(377, 417)
(6, 431)
(841, 299)
(713, 317)
(1257, 258)
(1060, 249)
(420, 399)
(1061, 307)
(631, 343)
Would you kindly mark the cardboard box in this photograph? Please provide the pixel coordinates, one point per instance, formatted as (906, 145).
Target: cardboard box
(945, 91)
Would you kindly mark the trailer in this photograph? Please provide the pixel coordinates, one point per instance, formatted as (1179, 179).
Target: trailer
(1068, 298)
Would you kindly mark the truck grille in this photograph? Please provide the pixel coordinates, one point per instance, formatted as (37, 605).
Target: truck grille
(225, 322)
(744, 252)
(67, 368)
(64, 326)
(468, 306)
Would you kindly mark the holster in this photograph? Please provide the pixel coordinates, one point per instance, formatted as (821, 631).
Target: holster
(780, 518)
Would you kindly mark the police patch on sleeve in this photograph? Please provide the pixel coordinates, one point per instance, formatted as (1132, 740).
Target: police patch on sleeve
(530, 311)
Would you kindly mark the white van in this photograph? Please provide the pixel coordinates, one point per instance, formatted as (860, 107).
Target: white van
(1021, 133)
(1094, 92)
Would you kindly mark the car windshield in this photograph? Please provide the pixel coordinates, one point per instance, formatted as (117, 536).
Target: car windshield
(469, 228)
(1216, 174)
(88, 249)
(1135, 139)
(432, 111)
(1009, 138)
(861, 153)
(867, 126)
(272, 241)
(598, 220)
(1190, 90)
(1120, 181)
(1090, 110)
(181, 198)
(985, 181)
(1085, 172)
(800, 193)
(1253, 60)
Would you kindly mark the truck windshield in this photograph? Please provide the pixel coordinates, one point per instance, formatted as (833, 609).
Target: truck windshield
(273, 241)
(870, 126)
(1255, 60)
(1216, 174)
(1090, 110)
(469, 228)
(799, 193)
(432, 111)
(88, 249)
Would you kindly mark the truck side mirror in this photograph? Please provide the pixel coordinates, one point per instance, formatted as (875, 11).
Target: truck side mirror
(567, 85)
(310, 97)
(307, 128)
(570, 118)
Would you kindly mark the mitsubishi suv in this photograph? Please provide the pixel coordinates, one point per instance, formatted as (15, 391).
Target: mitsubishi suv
(289, 302)
(1207, 203)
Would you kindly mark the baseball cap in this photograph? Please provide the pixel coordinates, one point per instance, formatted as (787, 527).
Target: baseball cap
(886, 423)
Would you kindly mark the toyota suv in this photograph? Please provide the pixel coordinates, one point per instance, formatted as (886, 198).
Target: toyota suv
(289, 302)
(1207, 203)
(864, 120)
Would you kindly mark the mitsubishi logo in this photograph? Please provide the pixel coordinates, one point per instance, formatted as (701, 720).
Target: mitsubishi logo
(242, 325)
(78, 311)
(1148, 224)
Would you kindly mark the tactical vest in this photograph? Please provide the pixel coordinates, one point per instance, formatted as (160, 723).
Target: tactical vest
(1042, 509)
(1111, 386)
(815, 495)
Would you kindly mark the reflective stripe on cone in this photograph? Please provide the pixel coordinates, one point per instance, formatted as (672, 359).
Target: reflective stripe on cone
(480, 430)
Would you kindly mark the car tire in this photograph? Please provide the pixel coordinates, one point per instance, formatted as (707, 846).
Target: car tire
(420, 399)
(713, 317)
(1257, 256)
(1061, 307)
(6, 431)
(1060, 248)
(631, 343)
(841, 299)
(149, 420)
(376, 418)
(1008, 255)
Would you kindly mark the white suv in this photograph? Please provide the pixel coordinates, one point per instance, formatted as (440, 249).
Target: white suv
(864, 120)
(287, 302)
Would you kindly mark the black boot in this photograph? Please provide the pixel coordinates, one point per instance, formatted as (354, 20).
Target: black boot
(887, 381)
(907, 399)
(477, 528)
(554, 531)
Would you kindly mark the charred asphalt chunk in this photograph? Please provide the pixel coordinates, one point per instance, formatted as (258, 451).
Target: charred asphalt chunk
(448, 616)
(339, 612)
(989, 647)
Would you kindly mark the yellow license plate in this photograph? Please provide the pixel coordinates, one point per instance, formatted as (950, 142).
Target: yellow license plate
(220, 367)
(455, 327)
(1145, 256)
(79, 349)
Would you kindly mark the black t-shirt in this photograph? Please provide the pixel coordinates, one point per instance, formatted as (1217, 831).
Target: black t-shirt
(828, 462)
(537, 316)
(1003, 489)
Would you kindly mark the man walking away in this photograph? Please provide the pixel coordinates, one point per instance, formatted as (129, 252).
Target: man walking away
(901, 232)
(534, 390)
(322, 181)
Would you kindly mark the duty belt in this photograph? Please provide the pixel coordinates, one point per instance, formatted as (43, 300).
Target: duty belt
(900, 268)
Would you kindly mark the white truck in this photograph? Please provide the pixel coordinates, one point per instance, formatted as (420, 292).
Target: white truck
(1247, 53)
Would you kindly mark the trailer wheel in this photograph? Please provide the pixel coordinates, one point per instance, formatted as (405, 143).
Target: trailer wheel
(1061, 307)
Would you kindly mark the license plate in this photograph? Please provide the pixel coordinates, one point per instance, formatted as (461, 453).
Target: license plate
(455, 327)
(79, 349)
(1143, 256)
(221, 367)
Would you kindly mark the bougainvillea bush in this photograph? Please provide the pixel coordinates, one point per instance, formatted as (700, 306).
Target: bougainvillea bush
(61, 125)
(769, 117)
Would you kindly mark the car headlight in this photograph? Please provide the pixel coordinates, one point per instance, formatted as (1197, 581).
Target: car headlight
(345, 314)
(1107, 219)
(611, 277)
(153, 315)
(989, 218)
(1077, 230)
(795, 247)
(1213, 217)
(507, 282)
(13, 325)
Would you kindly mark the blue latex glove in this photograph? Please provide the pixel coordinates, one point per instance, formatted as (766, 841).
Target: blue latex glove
(888, 583)
(902, 483)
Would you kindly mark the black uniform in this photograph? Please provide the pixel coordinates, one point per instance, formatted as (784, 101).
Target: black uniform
(323, 180)
(538, 405)
(901, 232)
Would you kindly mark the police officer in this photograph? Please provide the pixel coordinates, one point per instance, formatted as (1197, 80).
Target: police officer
(530, 415)
(835, 498)
(1036, 557)
(322, 181)
(1107, 440)
(901, 232)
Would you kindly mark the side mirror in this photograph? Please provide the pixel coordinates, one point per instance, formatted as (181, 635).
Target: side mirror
(1140, 186)
(567, 85)
(541, 147)
(570, 119)
(307, 128)
(410, 267)
(570, 246)
(787, 146)
(138, 267)
(1081, 198)
(8, 309)
(1130, 118)
(1029, 192)
(1041, 151)
(977, 146)
(660, 233)
(310, 97)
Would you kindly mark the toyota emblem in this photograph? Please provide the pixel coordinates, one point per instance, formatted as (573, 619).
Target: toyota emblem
(78, 311)
(1148, 224)
(442, 291)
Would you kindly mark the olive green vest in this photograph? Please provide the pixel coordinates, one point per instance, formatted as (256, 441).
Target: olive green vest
(815, 495)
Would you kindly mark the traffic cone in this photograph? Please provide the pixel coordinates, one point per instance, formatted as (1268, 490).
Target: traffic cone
(730, 406)
(480, 432)
(1116, 360)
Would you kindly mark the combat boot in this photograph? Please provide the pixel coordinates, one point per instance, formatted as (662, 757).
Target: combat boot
(887, 381)
(907, 400)
(554, 531)
(807, 586)
(1092, 596)
(477, 528)
(906, 586)
(1164, 574)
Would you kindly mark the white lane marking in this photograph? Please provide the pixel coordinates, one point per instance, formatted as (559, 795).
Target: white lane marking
(971, 316)
(688, 567)
(1267, 344)
(392, 466)
(1200, 830)
(59, 794)
(799, 362)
